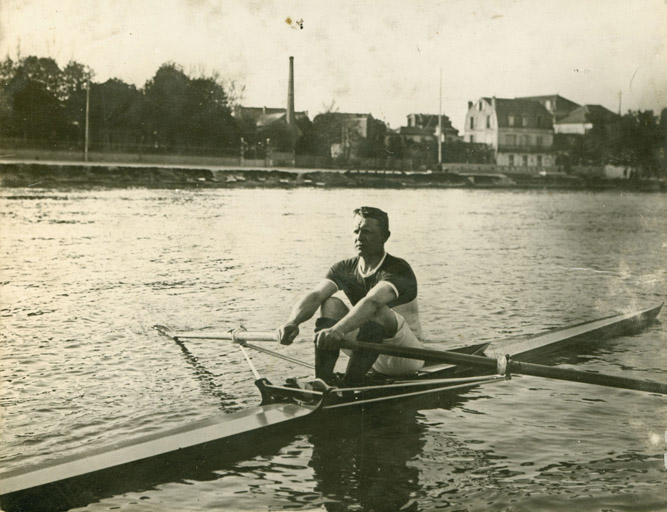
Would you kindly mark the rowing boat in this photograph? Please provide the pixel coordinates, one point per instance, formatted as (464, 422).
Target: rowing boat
(78, 480)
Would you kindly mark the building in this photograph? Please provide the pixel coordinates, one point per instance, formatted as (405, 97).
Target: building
(557, 106)
(263, 117)
(581, 120)
(419, 139)
(355, 128)
(520, 131)
(587, 135)
(428, 124)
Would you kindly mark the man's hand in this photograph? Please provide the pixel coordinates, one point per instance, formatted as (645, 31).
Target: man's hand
(287, 333)
(329, 339)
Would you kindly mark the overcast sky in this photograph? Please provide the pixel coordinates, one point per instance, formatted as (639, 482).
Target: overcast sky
(377, 56)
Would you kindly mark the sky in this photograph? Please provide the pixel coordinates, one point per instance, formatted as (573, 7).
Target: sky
(384, 57)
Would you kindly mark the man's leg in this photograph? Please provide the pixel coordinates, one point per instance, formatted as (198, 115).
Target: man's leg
(362, 360)
(382, 326)
(332, 310)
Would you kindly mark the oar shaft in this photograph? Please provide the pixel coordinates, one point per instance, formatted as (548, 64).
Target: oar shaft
(424, 354)
(599, 379)
(233, 336)
(518, 367)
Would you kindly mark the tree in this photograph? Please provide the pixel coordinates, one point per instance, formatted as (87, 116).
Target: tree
(39, 100)
(37, 109)
(327, 130)
(395, 147)
(211, 122)
(185, 113)
(166, 105)
(640, 142)
(306, 142)
(115, 115)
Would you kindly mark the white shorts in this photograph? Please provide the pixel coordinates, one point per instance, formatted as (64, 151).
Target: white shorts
(392, 365)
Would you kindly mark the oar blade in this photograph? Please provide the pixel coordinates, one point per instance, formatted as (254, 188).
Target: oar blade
(165, 331)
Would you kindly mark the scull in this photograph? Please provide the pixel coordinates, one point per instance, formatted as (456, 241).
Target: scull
(97, 472)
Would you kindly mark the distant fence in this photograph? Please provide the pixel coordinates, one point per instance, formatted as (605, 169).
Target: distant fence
(255, 157)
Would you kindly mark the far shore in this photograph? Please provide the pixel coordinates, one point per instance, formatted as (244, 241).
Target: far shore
(81, 175)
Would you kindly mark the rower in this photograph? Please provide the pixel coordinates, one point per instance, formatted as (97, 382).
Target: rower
(382, 292)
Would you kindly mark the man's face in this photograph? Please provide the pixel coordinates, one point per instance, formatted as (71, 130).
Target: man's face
(369, 238)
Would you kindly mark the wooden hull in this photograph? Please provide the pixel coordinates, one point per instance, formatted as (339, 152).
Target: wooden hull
(59, 485)
(177, 453)
(536, 348)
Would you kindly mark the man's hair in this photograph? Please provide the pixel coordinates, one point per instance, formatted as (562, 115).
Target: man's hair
(369, 212)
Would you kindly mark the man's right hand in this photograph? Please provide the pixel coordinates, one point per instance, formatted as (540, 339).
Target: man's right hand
(287, 333)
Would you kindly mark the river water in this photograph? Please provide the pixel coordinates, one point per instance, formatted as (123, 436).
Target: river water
(84, 275)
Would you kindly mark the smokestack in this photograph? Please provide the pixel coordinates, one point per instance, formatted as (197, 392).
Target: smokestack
(290, 95)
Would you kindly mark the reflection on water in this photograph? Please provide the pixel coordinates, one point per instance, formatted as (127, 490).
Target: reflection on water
(85, 274)
(365, 461)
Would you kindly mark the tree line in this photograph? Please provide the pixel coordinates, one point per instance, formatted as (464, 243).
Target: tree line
(43, 105)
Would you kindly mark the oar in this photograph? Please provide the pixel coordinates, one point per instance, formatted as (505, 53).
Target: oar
(512, 366)
(237, 335)
(445, 356)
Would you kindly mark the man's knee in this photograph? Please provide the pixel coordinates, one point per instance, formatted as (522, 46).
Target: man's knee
(387, 319)
(333, 308)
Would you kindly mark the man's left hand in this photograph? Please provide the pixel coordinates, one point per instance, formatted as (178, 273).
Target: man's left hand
(328, 339)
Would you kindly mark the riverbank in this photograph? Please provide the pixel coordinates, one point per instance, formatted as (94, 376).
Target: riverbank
(14, 174)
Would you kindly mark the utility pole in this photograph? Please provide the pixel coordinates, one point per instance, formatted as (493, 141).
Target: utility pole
(440, 126)
(86, 131)
(267, 153)
(619, 102)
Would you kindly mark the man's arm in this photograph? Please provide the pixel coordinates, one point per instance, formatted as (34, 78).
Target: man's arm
(363, 311)
(304, 309)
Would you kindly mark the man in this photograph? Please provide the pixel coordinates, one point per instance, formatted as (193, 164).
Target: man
(383, 292)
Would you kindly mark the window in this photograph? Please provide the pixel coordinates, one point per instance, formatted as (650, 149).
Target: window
(511, 160)
(472, 138)
(539, 141)
(480, 106)
(547, 104)
(539, 160)
(510, 139)
(524, 121)
(510, 120)
(525, 140)
(472, 123)
(488, 121)
(525, 160)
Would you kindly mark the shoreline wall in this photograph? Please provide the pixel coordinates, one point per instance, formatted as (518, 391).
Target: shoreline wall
(81, 175)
